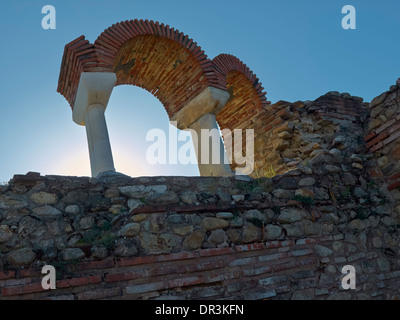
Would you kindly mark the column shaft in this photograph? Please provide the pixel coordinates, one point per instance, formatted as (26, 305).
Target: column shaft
(101, 159)
(209, 147)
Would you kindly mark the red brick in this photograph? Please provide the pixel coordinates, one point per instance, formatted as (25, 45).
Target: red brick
(250, 247)
(215, 252)
(99, 264)
(305, 241)
(184, 282)
(74, 282)
(99, 294)
(177, 256)
(392, 137)
(95, 279)
(257, 270)
(7, 274)
(30, 272)
(22, 289)
(379, 138)
(385, 126)
(113, 277)
(11, 291)
(147, 287)
(370, 136)
(395, 176)
(124, 262)
(307, 261)
(376, 147)
(210, 278)
(278, 244)
(243, 261)
(284, 266)
(394, 186)
(374, 172)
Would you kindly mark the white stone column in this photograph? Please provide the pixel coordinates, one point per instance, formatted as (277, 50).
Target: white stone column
(209, 147)
(101, 159)
(90, 104)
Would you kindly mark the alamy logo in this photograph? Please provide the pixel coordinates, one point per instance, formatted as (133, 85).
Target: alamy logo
(49, 280)
(49, 20)
(207, 146)
(349, 278)
(349, 20)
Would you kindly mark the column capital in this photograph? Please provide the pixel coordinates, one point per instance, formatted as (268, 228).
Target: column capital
(94, 88)
(210, 100)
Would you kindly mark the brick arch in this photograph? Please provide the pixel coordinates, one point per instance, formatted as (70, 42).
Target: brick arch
(163, 55)
(247, 97)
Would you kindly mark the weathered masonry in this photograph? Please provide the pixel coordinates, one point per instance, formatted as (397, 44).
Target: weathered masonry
(195, 91)
(331, 198)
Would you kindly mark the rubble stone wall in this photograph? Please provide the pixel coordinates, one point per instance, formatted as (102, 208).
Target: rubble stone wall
(333, 202)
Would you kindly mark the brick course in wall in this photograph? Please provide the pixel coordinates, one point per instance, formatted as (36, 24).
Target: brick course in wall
(201, 238)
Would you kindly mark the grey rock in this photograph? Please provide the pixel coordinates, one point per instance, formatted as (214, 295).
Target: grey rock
(44, 198)
(287, 183)
(238, 197)
(159, 243)
(31, 228)
(312, 228)
(99, 252)
(86, 222)
(234, 236)
(8, 202)
(72, 254)
(272, 231)
(224, 196)
(383, 264)
(188, 197)
(50, 252)
(174, 219)
(332, 168)
(140, 191)
(129, 230)
(214, 223)
(305, 294)
(378, 100)
(183, 230)
(125, 248)
(290, 215)
(111, 193)
(322, 251)
(134, 203)
(5, 233)
(21, 257)
(282, 194)
(217, 236)
(72, 209)
(224, 215)
(251, 233)
(359, 224)
(165, 198)
(340, 296)
(307, 182)
(293, 230)
(47, 212)
(194, 240)
(255, 214)
(348, 179)
(359, 192)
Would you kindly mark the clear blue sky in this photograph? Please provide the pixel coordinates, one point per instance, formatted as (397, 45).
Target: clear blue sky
(298, 49)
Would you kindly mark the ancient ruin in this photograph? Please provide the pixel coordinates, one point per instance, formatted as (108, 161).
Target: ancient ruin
(325, 192)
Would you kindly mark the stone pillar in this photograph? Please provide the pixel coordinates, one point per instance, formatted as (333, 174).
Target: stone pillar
(91, 101)
(101, 159)
(209, 147)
